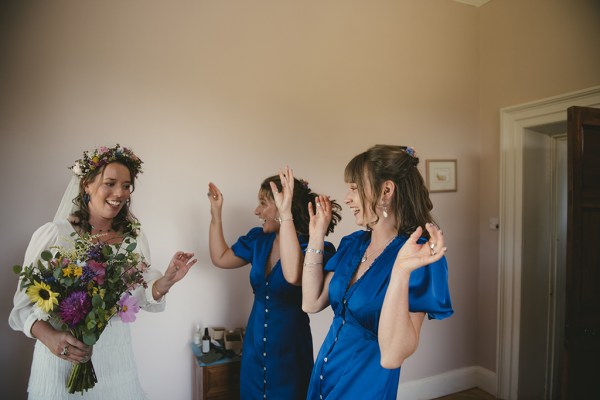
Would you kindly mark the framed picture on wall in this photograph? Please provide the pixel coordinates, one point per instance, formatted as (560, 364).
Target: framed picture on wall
(441, 175)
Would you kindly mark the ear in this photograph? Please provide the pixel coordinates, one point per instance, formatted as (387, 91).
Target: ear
(87, 188)
(388, 190)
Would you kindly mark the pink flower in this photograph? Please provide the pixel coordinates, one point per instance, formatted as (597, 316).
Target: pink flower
(103, 149)
(128, 307)
(99, 270)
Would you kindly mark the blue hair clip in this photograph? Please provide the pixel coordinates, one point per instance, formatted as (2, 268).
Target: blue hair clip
(410, 151)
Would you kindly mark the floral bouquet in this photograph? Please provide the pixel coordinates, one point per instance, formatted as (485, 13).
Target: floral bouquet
(81, 288)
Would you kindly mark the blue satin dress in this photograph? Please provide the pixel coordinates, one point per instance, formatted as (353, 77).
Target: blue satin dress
(348, 364)
(277, 353)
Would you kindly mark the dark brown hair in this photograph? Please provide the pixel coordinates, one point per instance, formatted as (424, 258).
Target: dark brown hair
(410, 202)
(300, 199)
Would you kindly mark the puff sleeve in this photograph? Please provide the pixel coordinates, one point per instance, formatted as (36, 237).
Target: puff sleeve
(244, 247)
(22, 316)
(429, 292)
(144, 295)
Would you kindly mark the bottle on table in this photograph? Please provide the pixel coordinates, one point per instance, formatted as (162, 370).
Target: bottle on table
(205, 341)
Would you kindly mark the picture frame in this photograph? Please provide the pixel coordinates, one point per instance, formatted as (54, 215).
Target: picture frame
(441, 176)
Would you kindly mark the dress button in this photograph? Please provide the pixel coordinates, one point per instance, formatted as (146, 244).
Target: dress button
(321, 377)
(267, 283)
(265, 368)
(267, 297)
(264, 354)
(325, 359)
(264, 339)
(265, 325)
(266, 310)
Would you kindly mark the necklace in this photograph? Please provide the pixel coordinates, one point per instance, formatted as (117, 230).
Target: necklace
(366, 256)
(100, 230)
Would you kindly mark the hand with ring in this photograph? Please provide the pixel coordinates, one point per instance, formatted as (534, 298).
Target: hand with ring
(179, 266)
(320, 216)
(414, 255)
(61, 343)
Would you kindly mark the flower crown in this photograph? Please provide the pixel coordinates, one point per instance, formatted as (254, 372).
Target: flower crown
(105, 155)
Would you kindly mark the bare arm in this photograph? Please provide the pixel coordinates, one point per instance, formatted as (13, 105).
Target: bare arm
(399, 329)
(221, 254)
(315, 282)
(289, 248)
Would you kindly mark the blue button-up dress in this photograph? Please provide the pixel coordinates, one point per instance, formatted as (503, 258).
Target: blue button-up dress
(277, 353)
(348, 365)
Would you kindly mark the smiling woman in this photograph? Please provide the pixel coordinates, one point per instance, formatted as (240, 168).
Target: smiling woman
(277, 347)
(382, 281)
(92, 235)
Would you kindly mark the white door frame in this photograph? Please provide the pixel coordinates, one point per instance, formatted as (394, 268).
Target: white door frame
(513, 122)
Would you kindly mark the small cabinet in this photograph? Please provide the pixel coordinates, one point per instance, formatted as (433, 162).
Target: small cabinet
(219, 381)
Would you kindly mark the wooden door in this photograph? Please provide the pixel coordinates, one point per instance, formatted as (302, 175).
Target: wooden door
(581, 369)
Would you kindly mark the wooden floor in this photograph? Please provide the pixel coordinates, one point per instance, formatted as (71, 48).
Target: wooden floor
(471, 394)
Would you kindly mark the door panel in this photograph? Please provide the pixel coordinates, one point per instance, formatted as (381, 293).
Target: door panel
(582, 334)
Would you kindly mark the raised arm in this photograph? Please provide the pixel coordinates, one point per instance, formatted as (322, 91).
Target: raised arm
(399, 329)
(289, 248)
(315, 282)
(221, 254)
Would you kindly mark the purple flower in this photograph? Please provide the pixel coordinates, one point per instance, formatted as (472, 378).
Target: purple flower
(128, 307)
(95, 252)
(74, 308)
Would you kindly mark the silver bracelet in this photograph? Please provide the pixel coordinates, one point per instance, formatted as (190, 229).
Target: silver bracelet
(310, 264)
(316, 251)
(280, 220)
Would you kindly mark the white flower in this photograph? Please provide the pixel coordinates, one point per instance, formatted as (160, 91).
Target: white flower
(77, 169)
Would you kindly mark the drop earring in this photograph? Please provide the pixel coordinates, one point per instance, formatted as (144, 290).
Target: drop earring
(385, 213)
(86, 198)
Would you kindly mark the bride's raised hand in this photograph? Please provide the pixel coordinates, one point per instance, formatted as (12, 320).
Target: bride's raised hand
(321, 217)
(413, 255)
(283, 199)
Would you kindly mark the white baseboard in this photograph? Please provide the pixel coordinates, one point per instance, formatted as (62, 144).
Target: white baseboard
(449, 382)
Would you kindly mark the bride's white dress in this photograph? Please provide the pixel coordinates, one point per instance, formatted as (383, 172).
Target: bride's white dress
(112, 357)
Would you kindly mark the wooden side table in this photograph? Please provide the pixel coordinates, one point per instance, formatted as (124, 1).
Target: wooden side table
(216, 381)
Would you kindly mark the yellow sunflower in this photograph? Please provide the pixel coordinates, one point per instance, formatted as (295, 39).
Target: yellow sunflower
(41, 294)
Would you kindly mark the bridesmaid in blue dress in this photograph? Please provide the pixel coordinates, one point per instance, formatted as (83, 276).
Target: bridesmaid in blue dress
(381, 282)
(277, 353)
